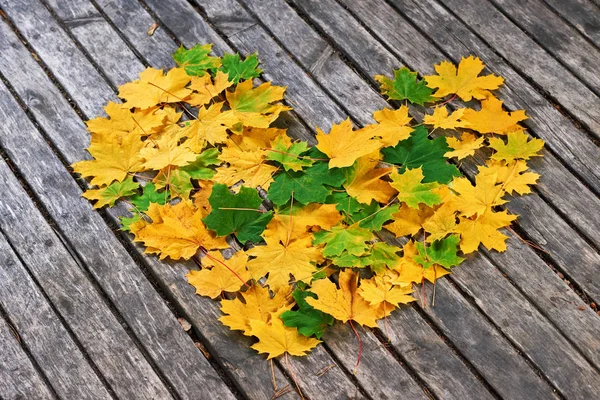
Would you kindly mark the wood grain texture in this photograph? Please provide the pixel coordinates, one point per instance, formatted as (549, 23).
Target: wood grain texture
(556, 37)
(41, 330)
(584, 15)
(19, 378)
(184, 367)
(74, 296)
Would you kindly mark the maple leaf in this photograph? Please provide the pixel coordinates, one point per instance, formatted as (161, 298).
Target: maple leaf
(196, 61)
(492, 118)
(238, 214)
(257, 305)
(247, 166)
(177, 181)
(155, 88)
(113, 160)
(224, 276)
(176, 231)
(351, 239)
(308, 186)
(411, 191)
(207, 88)
(464, 82)
(289, 155)
(441, 252)
(408, 220)
(344, 146)
(420, 152)
(282, 259)
(286, 226)
(441, 223)
(149, 195)
(210, 126)
(476, 199)
(345, 303)
(107, 196)
(516, 148)
(276, 339)
(376, 291)
(511, 175)
(363, 180)
(405, 86)
(237, 69)
(392, 126)
(306, 319)
(484, 230)
(440, 119)
(379, 256)
(379, 217)
(199, 168)
(201, 197)
(464, 147)
(122, 121)
(253, 106)
(410, 271)
(167, 151)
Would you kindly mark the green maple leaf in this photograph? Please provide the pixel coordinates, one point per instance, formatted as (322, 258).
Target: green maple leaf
(289, 157)
(347, 205)
(198, 169)
(381, 255)
(127, 221)
(441, 252)
(234, 213)
(149, 195)
(196, 61)
(107, 196)
(237, 69)
(376, 220)
(405, 86)
(351, 239)
(307, 319)
(308, 186)
(412, 191)
(419, 151)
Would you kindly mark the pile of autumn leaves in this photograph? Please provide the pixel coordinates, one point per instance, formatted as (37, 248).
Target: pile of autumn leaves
(187, 151)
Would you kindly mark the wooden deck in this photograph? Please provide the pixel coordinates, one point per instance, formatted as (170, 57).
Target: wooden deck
(84, 314)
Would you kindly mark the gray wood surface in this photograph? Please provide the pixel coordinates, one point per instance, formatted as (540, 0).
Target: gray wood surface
(582, 14)
(19, 378)
(41, 330)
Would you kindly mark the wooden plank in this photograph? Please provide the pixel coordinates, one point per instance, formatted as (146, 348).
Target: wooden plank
(74, 296)
(526, 56)
(551, 33)
(41, 330)
(18, 377)
(184, 367)
(583, 15)
(49, 116)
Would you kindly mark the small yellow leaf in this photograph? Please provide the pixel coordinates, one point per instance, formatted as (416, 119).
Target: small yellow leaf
(276, 339)
(344, 146)
(392, 126)
(154, 88)
(440, 119)
(464, 147)
(484, 230)
(224, 276)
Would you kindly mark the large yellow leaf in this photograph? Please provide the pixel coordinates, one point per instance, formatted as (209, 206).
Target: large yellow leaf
(492, 118)
(285, 227)
(511, 175)
(365, 184)
(276, 339)
(464, 82)
(344, 303)
(154, 88)
(344, 146)
(121, 121)
(476, 199)
(377, 290)
(484, 230)
(392, 126)
(247, 166)
(113, 160)
(176, 231)
(224, 276)
(168, 151)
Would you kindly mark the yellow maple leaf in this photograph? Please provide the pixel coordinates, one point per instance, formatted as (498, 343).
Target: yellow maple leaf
(392, 126)
(408, 220)
(484, 230)
(364, 180)
(441, 223)
(411, 191)
(206, 88)
(297, 258)
(464, 147)
(411, 272)
(344, 146)
(210, 126)
(200, 198)
(377, 290)
(284, 227)
(464, 82)
(257, 305)
(492, 118)
(113, 160)
(344, 303)
(122, 121)
(224, 276)
(276, 339)
(517, 147)
(167, 151)
(476, 199)
(154, 88)
(440, 119)
(176, 231)
(253, 106)
(511, 175)
(247, 166)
